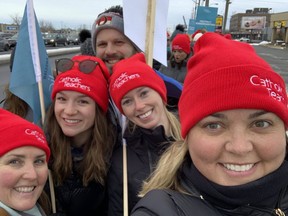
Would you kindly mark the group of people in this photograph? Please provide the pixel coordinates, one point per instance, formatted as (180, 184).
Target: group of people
(225, 155)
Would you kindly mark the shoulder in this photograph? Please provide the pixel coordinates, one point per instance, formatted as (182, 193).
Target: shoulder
(151, 202)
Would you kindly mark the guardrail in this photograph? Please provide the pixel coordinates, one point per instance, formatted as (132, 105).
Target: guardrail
(4, 59)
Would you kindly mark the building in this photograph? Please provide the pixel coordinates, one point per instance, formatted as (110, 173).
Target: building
(259, 24)
(254, 24)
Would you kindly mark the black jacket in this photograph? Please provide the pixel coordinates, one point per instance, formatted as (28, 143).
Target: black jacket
(263, 197)
(73, 199)
(143, 150)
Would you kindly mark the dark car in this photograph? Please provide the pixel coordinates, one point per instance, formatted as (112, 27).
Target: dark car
(4, 44)
(54, 39)
(12, 41)
(73, 39)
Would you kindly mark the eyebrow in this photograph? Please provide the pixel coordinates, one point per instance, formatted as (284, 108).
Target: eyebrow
(251, 116)
(23, 156)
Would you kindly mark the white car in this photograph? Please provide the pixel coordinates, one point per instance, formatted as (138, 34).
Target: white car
(244, 39)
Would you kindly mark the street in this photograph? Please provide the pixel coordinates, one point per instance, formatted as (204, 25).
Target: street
(277, 58)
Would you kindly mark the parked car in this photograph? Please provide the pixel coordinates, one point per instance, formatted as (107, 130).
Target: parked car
(73, 39)
(12, 41)
(54, 39)
(244, 39)
(4, 45)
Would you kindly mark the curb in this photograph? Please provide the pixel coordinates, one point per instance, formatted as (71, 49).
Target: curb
(4, 59)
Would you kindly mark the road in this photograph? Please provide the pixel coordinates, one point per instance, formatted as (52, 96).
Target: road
(277, 58)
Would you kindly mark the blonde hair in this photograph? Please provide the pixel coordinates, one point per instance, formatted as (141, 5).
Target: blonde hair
(165, 175)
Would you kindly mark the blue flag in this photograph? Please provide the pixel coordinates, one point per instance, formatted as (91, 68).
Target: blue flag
(31, 78)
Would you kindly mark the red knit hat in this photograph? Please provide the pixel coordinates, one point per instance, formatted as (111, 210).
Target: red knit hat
(225, 74)
(132, 73)
(181, 42)
(17, 132)
(93, 84)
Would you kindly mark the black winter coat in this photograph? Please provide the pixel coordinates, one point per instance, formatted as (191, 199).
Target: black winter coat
(73, 199)
(264, 197)
(144, 148)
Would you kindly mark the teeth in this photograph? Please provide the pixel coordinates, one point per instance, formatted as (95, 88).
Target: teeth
(145, 114)
(238, 168)
(24, 189)
(71, 121)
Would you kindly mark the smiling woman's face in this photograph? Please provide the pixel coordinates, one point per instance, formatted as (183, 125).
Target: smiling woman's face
(235, 147)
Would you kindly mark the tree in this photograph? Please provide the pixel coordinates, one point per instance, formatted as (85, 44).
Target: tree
(16, 19)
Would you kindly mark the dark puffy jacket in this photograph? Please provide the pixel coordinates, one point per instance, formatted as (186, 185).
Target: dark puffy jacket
(143, 150)
(272, 199)
(73, 199)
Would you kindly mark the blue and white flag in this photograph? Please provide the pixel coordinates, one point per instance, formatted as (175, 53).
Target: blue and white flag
(31, 78)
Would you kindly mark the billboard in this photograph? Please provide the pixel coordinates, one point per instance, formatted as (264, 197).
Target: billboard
(206, 18)
(253, 22)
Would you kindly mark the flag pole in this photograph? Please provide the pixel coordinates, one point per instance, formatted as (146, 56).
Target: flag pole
(150, 26)
(35, 54)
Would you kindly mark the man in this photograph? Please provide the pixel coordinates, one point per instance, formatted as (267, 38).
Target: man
(112, 45)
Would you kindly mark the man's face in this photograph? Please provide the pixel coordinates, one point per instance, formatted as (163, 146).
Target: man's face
(112, 46)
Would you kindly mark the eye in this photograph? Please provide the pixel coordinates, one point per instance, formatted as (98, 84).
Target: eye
(101, 44)
(119, 42)
(15, 162)
(83, 102)
(213, 126)
(262, 124)
(144, 93)
(126, 102)
(40, 161)
(60, 98)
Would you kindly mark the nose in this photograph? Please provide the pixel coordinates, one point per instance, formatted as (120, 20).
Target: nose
(239, 143)
(139, 104)
(30, 171)
(110, 49)
(70, 109)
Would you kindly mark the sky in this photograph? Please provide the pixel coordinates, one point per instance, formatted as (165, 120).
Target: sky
(79, 14)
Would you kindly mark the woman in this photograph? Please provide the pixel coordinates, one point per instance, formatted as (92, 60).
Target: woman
(79, 135)
(140, 94)
(177, 63)
(23, 167)
(233, 114)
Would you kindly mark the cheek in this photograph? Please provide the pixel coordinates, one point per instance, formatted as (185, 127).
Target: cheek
(203, 148)
(9, 179)
(42, 175)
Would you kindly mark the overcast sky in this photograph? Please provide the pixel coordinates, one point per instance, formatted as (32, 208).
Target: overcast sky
(75, 14)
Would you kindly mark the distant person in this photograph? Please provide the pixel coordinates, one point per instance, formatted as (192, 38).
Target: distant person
(181, 51)
(234, 118)
(180, 29)
(80, 135)
(13, 103)
(24, 155)
(140, 94)
(86, 43)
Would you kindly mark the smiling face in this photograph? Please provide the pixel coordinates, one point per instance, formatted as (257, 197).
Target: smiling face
(75, 114)
(23, 172)
(145, 108)
(237, 146)
(112, 46)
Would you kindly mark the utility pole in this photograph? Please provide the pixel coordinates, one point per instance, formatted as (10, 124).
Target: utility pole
(206, 3)
(226, 14)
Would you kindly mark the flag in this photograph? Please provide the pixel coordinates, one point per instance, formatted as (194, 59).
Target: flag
(31, 78)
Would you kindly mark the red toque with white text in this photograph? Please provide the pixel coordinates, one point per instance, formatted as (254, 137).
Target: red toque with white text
(225, 74)
(132, 73)
(181, 42)
(17, 132)
(93, 84)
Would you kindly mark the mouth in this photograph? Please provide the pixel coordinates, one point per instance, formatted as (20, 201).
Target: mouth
(25, 189)
(145, 115)
(238, 168)
(71, 121)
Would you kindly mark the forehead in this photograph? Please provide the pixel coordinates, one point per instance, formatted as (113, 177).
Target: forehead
(110, 34)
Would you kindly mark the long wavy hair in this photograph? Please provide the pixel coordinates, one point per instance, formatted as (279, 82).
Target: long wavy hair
(97, 152)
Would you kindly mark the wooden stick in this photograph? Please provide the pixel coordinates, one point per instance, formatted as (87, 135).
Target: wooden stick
(150, 26)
